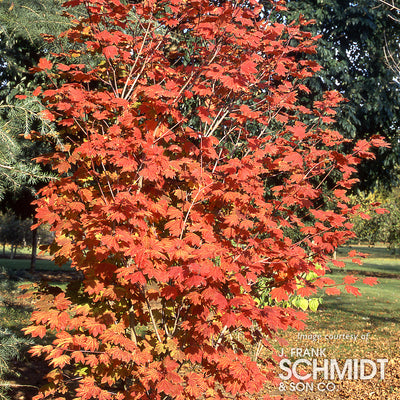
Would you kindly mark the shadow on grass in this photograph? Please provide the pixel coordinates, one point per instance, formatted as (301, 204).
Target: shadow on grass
(355, 314)
(18, 264)
(372, 270)
(379, 251)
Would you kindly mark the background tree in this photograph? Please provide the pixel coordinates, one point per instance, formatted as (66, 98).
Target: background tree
(391, 53)
(383, 224)
(22, 24)
(351, 51)
(15, 232)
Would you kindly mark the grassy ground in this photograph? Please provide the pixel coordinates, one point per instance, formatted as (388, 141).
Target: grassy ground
(24, 264)
(373, 319)
(372, 323)
(379, 260)
(23, 258)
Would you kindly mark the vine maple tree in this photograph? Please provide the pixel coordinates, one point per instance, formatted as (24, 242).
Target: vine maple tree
(187, 167)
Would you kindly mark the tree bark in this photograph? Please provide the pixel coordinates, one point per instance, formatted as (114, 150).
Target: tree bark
(32, 269)
(13, 251)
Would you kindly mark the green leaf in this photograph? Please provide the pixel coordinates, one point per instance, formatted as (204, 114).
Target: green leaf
(313, 304)
(303, 303)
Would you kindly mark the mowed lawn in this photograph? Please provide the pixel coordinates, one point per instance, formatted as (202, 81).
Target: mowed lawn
(370, 321)
(356, 327)
(19, 264)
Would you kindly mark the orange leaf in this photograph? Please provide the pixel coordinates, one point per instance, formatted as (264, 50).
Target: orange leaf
(382, 211)
(60, 361)
(37, 91)
(279, 294)
(332, 291)
(45, 64)
(371, 281)
(248, 68)
(110, 51)
(350, 279)
(60, 302)
(352, 290)
(35, 330)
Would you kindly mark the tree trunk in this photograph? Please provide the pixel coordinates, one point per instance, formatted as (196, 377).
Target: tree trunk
(34, 248)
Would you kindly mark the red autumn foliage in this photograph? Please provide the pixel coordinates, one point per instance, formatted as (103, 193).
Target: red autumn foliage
(188, 170)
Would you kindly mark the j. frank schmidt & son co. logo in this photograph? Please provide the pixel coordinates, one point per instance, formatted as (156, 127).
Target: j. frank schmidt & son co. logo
(322, 369)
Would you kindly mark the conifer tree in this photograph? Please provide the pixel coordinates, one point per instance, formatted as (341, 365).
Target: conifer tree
(22, 24)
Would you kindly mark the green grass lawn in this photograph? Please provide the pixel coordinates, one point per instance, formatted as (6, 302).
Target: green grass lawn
(379, 259)
(373, 320)
(24, 264)
(376, 311)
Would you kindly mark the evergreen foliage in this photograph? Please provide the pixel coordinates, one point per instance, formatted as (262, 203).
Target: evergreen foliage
(11, 345)
(16, 166)
(22, 24)
(10, 349)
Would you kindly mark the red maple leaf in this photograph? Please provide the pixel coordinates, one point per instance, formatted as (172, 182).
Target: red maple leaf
(248, 68)
(110, 51)
(352, 290)
(350, 279)
(44, 64)
(279, 294)
(371, 281)
(332, 291)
